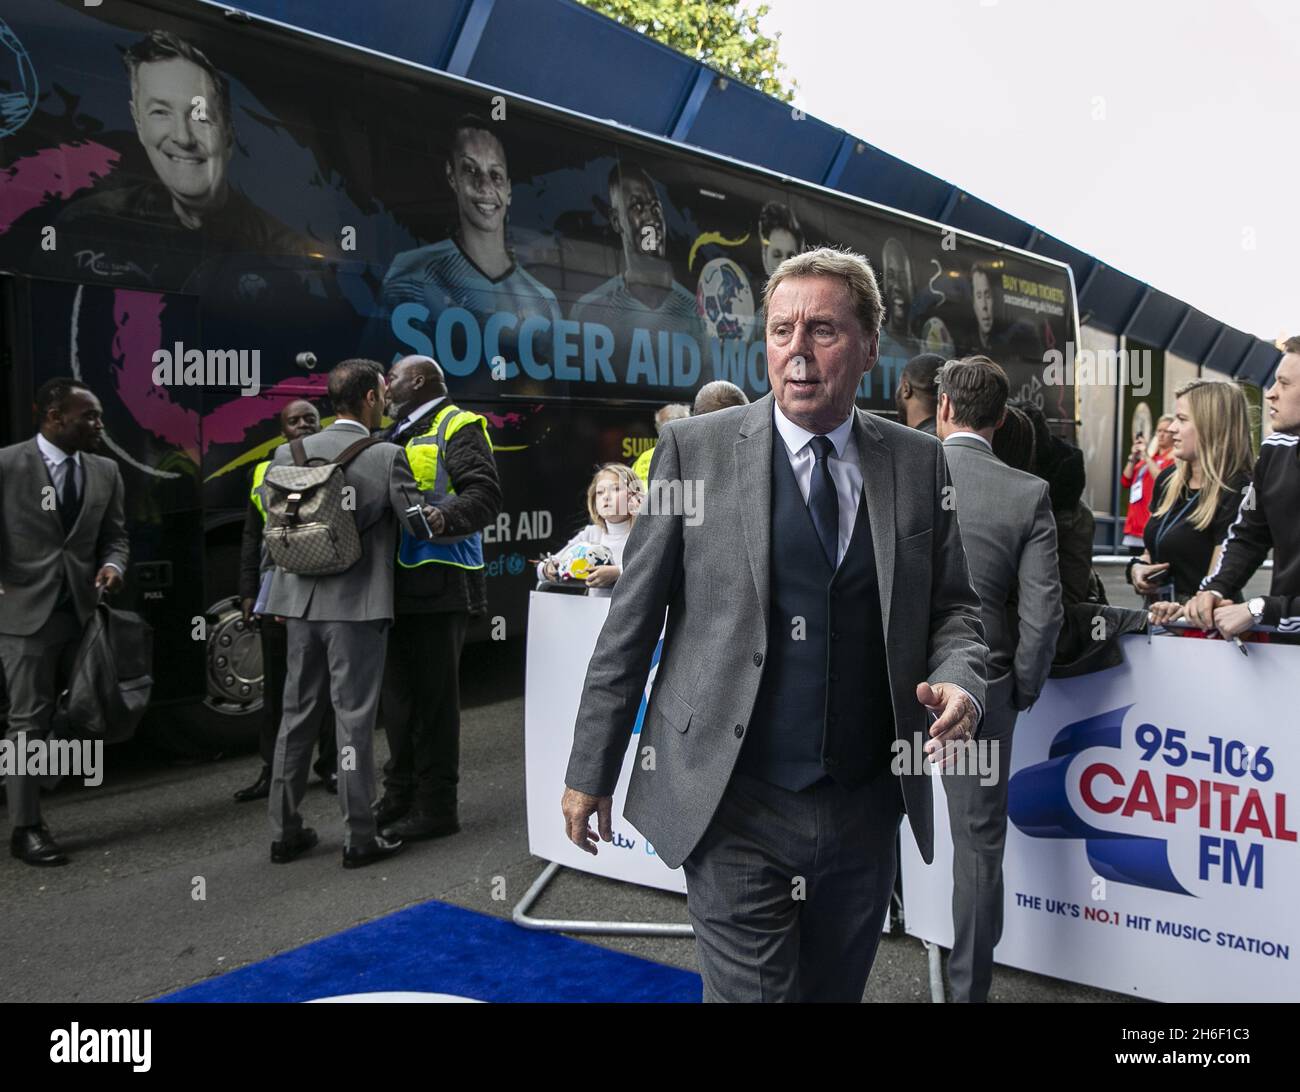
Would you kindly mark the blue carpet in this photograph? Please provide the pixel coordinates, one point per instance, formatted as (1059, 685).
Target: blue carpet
(436, 948)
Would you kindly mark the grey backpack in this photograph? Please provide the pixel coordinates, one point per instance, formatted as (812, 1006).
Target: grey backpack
(309, 530)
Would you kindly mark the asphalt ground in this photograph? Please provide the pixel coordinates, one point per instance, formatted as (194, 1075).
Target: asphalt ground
(122, 923)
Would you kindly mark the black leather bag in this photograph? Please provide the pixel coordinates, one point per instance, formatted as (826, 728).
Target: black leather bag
(111, 678)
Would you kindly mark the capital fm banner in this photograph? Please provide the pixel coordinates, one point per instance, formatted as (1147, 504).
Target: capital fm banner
(562, 632)
(1151, 848)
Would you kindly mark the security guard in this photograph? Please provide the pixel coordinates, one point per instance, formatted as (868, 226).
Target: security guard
(299, 418)
(439, 586)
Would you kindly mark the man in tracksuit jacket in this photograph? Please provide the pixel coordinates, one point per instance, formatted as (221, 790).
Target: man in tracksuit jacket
(439, 586)
(1267, 519)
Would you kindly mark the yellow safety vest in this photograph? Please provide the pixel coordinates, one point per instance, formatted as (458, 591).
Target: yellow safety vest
(641, 468)
(431, 476)
(255, 490)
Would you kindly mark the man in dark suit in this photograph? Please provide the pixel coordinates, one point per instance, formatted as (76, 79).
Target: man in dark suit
(62, 542)
(298, 419)
(1010, 539)
(338, 627)
(791, 543)
(439, 586)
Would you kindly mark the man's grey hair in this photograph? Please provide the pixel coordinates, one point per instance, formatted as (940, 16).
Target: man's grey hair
(853, 269)
(674, 411)
(720, 394)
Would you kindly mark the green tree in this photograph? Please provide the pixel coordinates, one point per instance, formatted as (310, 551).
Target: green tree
(716, 32)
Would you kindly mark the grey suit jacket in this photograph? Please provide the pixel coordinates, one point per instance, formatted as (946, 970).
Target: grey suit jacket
(35, 554)
(384, 488)
(1010, 539)
(709, 568)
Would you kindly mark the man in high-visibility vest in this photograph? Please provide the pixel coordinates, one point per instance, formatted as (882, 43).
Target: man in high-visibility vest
(299, 418)
(674, 411)
(438, 587)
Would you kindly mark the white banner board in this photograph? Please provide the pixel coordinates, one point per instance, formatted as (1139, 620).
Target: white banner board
(562, 633)
(1150, 848)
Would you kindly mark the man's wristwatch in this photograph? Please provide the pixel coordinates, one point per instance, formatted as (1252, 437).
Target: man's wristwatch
(1256, 608)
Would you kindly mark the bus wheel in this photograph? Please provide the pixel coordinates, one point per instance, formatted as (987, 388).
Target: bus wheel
(228, 719)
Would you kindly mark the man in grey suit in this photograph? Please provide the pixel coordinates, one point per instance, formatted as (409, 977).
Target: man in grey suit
(62, 542)
(791, 543)
(1010, 539)
(338, 628)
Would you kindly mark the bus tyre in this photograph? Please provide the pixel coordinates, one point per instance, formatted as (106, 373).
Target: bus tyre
(229, 717)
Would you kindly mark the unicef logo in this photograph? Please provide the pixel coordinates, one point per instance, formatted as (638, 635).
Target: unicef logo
(725, 300)
(515, 564)
(17, 70)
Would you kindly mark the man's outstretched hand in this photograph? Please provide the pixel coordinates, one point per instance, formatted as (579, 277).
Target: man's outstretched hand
(958, 718)
(578, 808)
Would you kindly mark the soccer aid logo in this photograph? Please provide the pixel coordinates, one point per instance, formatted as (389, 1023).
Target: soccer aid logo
(725, 300)
(19, 75)
(1158, 806)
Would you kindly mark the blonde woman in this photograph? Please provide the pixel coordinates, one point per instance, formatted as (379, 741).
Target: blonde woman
(613, 500)
(1196, 499)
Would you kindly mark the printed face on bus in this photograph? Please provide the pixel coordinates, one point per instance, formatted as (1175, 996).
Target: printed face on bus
(817, 351)
(896, 274)
(982, 294)
(177, 114)
(778, 246)
(638, 214)
(478, 177)
(1282, 399)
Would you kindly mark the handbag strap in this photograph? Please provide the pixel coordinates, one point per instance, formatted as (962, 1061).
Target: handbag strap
(353, 450)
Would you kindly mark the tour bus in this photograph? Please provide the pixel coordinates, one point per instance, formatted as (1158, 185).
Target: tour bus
(201, 214)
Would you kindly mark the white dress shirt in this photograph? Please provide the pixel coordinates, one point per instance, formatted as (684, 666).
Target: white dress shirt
(972, 435)
(416, 414)
(846, 473)
(60, 464)
(350, 422)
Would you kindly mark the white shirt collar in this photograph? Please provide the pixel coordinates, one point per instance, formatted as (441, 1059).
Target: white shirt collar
(419, 412)
(972, 435)
(796, 437)
(54, 454)
(347, 422)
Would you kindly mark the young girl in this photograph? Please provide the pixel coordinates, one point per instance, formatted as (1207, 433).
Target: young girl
(613, 500)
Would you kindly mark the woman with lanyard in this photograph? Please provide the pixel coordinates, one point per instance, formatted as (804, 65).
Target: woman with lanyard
(1196, 499)
(1139, 477)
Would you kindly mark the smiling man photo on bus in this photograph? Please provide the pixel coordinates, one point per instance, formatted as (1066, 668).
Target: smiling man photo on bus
(645, 295)
(1266, 520)
(474, 268)
(156, 233)
(764, 760)
(63, 543)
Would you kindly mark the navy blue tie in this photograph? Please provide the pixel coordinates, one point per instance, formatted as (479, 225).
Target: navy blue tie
(823, 501)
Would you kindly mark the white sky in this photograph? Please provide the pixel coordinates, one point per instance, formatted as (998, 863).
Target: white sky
(1198, 152)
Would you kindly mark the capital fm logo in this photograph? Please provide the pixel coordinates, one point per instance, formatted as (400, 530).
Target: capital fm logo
(1144, 790)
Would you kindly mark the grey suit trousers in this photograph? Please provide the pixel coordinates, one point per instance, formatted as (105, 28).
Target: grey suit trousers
(35, 668)
(787, 891)
(978, 817)
(342, 663)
